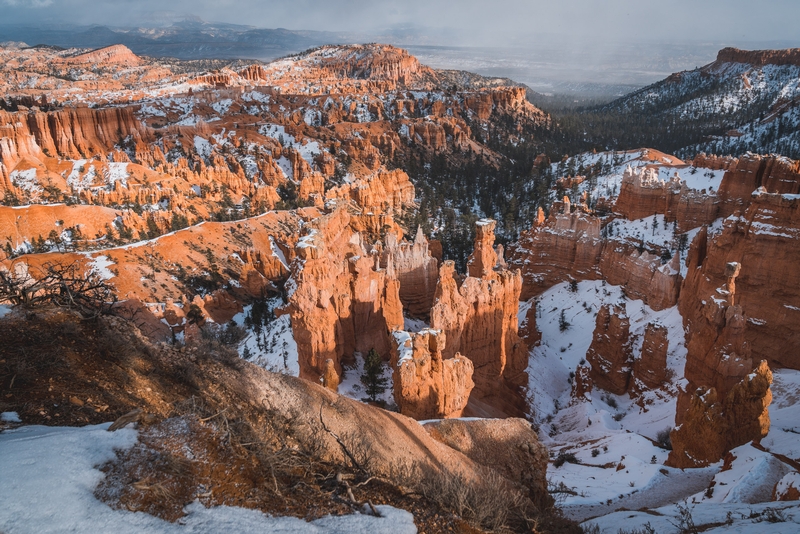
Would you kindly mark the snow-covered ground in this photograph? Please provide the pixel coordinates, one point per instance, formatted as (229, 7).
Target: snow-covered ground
(697, 178)
(772, 518)
(272, 346)
(650, 230)
(618, 463)
(613, 164)
(48, 476)
(559, 353)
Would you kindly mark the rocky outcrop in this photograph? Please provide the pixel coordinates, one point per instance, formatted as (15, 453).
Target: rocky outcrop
(642, 194)
(713, 161)
(479, 320)
(416, 270)
(767, 288)
(759, 58)
(563, 247)
(714, 424)
(426, 385)
(70, 133)
(509, 446)
(650, 368)
(382, 191)
(641, 273)
(340, 301)
(748, 173)
(610, 353)
(568, 246)
(736, 314)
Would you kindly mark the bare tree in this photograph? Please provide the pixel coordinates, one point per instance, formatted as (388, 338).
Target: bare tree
(55, 283)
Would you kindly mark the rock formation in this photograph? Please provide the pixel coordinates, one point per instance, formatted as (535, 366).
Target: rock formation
(340, 301)
(70, 133)
(714, 424)
(790, 56)
(610, 353)
(641, 274)
(416, 270)
(767, 288)
(562, 247)
(568, 246)
(479, 320)
(642, 194)
(737, 314)
(426, 385)
(650, 368)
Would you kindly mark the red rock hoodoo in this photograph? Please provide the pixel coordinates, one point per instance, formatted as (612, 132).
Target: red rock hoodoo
(416, 270)
(426, 385)
(479, 320)
(341, 302)
(714, 424)
(610, 353)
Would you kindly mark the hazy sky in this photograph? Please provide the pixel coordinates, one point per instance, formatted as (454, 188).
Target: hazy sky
(483, 22)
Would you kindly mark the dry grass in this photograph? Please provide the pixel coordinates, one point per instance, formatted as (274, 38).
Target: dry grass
(243, 453)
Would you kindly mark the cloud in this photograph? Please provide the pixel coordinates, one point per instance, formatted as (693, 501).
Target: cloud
(28, 3)
(479, 22)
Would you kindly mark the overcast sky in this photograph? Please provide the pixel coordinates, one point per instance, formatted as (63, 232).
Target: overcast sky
(483, 22)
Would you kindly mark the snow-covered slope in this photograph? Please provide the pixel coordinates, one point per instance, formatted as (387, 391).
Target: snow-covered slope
(48, 476)
(606, 451)
(745, 106)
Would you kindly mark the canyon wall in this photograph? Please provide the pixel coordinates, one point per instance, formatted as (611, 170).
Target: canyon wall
(568, 246)
(563, 247)
(759, 58)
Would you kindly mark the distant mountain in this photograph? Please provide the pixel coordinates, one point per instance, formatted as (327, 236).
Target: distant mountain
(188, 39)
(743, 101)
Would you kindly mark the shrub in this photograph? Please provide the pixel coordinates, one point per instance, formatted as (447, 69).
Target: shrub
(563, 324)
(664, 440)
(564, 457)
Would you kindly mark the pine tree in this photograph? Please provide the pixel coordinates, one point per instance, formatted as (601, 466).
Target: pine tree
(372, 378)
(563, 324)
